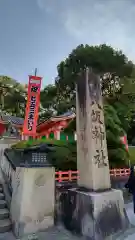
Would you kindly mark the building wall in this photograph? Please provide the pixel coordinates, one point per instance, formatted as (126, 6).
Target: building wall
(2, 128)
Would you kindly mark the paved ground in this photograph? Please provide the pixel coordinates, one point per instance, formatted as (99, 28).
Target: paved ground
(129, 234)
(51, 234)
(61, 234)
(54, 234)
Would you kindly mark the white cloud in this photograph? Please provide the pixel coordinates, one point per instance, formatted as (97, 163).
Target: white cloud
(40, 4)
(46, 5)
(97, 22)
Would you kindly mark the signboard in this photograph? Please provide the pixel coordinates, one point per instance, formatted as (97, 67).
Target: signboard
(33, 102)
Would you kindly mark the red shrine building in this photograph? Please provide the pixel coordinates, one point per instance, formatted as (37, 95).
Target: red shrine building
(13, 126)
(10, 126)
(50, 128)
(54, 125)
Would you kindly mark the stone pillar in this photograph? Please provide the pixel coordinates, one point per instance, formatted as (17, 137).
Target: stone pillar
(57, 134)
(47, 135)
(92, 157)
(93, 209)
(75, 136)
(32, 205)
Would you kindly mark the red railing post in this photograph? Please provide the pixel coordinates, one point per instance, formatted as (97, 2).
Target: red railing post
(70, 175)
(60, 176)
(74, 175)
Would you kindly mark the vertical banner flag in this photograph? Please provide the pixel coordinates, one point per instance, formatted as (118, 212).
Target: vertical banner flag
(33, 102)
(125, 142)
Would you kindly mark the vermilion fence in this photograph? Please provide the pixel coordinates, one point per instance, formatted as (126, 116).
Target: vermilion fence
(74, 175)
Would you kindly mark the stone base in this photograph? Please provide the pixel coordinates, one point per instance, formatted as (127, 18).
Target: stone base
(94, 215)
(33, 200)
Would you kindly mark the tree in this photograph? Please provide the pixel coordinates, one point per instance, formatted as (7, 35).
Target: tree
(110, 64)
(115, 72)
(63, 157)
(49, 102)
(114, 130)
(15, 103)
(103, 59)
(12, 96)
(54, 103)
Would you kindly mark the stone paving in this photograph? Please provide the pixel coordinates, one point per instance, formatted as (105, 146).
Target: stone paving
(56, 233)
(130, 233)
(59, 233)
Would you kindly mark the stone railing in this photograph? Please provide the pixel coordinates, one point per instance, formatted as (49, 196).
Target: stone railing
(32, 181)
(8, 172)
(6, 168)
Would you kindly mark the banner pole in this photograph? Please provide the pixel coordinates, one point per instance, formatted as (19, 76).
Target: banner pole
(35, 72)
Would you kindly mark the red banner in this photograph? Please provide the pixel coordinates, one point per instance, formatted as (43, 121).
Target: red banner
(125, 142)
(33, 102)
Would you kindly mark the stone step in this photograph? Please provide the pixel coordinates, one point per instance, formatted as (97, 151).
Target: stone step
(3, 204)
(4, 213)
(2, 196)
(5, 225)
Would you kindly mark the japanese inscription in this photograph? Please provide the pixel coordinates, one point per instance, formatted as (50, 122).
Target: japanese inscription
(33, 103)
(33, 90)
(100, 158)
(31, 112)
(98, 136)
(97, 120)
(96, 116)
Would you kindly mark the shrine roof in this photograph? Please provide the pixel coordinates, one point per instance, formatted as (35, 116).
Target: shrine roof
(5, 119)
(11, 119)
(55, 119)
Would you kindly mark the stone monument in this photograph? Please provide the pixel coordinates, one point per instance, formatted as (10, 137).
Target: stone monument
(33, 193)
(92, 158)
(96, 210)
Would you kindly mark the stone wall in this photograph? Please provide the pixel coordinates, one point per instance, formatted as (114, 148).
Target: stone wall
(7, 171)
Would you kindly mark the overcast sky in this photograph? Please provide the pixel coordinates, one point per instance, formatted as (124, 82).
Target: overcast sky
(41, 33)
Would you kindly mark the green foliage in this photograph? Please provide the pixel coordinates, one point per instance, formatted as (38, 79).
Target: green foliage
(116, 151)
(118, 88)
(102, 59)
(71, 128)
(114, 129)
(12, 96)
(33, 142)
(63, 157)
(132, 155)
(113, 67)
(117, 74)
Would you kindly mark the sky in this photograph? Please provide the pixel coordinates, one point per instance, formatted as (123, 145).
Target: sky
(41, 33)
